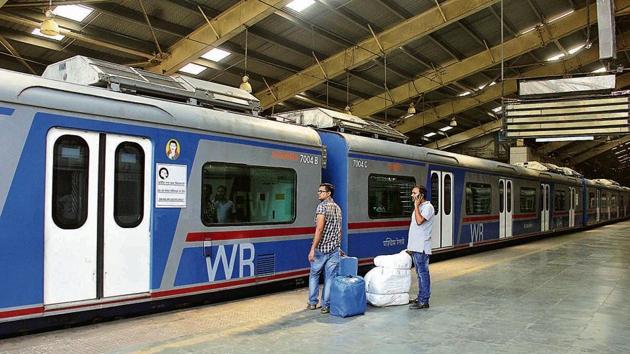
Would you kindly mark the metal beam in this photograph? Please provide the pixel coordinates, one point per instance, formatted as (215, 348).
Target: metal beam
(47, 3)
(622, 81)
(79, 37)
(493, 93)
(577, 149)
(16, 54)
(470, 134)
(216, 32)
(484, 60)
(600, 150)
(418, 26)
(551, 147)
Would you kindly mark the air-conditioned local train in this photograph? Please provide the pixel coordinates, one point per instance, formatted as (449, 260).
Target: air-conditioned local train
(121, 187)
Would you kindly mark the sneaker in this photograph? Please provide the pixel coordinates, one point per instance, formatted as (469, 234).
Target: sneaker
(414, 301)
(418, 306)
(311, 306)
(325, 310)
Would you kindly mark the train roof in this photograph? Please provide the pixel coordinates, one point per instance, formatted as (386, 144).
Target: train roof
(25, 89)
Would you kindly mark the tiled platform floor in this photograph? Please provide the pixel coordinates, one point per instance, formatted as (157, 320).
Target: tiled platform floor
(567, 294)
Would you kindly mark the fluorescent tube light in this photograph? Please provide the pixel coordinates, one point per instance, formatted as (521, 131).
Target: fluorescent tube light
(563, 138)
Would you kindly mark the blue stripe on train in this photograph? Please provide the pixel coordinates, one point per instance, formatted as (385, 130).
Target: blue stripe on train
(5, 111)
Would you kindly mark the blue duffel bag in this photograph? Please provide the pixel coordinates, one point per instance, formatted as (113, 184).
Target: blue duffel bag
(347, 296)
(348, 266)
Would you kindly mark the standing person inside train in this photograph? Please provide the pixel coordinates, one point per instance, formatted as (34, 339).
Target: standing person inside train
(324, 253)
(419, 244)
(225, 207)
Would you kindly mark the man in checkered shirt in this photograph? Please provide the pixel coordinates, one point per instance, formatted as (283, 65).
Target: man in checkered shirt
(324, 254)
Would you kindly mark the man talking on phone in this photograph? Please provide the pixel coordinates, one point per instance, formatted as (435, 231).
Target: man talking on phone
(419, 244)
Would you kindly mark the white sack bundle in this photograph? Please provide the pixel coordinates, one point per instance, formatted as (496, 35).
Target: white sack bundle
(400, 260)
(381, 300)
(382, 281)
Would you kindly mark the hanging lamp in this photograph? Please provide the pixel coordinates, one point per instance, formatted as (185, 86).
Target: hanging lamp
(245, 85)
(49, 26)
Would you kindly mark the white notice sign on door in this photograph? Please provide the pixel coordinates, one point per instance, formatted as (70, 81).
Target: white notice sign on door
(170, 186)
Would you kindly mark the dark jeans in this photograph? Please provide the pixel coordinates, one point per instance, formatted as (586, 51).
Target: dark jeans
(421, 262)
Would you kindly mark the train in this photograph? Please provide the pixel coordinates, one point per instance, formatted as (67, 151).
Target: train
(122, 187)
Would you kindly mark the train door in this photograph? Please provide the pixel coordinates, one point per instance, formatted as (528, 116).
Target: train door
(598, 202)
(442, 199)
(97, 240)
(544, 207)
(572, 206)
(506, 206)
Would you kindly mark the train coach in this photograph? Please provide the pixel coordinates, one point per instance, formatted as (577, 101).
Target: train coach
(122, 187)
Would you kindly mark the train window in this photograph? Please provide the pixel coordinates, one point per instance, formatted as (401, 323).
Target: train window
(242, 194)
(591, 201)
(129, 185)
(604, 203)
(527, 200)
(447, 195)
(613, 201)
(435, 192)
(389, 196)
(71, 157)
(508, 190)
(478, 198)
(560, 200)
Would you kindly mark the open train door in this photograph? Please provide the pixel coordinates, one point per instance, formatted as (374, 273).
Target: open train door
(442, 199)
(97, 216)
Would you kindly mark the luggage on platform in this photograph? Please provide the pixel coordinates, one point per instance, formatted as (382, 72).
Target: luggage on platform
(401, 260)
(382, 300)
(348, 266)
(347, 296)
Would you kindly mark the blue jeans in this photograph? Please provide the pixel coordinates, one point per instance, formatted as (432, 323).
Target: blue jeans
(329, 262)
(421, 262)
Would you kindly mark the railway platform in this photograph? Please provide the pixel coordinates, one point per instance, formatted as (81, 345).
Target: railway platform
(564, 294)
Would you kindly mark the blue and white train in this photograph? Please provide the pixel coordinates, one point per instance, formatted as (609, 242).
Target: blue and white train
(120, 187)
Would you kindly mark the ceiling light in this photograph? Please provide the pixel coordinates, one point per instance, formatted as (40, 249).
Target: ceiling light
(453, 122)
(497, 109)
(555, 57)
(465, 93)
(575, 49)
(216, 54)
(49, 27)
(445, 129)
(411, 110)
(600, 70)
(300, 5)
(74, 12)
(191, 68)
(38, 32)
(245, 85)
(428, 135)
(529, 29)
(563, 138)
(553, 19)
